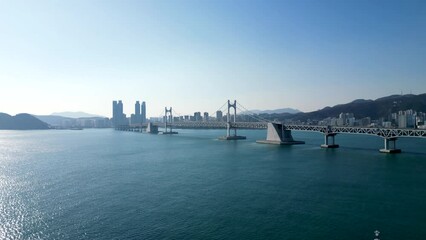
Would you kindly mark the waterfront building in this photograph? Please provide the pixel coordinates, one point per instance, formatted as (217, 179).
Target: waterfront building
(402, 120)
(387, 124)
(101, 123)
(114, 113)
(366, 121)
(137, 108)
(351, 121)
(340, 122)
(118, 117)
(219, 116)
(155, 119)
(411, 120)
(143, 112)
(342, 119)
(407, 119)
(419, 120)
(136, 117)
(197, 116)
(206, 117)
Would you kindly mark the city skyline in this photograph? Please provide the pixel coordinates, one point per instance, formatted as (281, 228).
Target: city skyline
(193, 56)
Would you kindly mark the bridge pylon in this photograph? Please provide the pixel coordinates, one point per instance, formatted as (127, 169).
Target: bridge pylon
(168, 121)
(231, 124)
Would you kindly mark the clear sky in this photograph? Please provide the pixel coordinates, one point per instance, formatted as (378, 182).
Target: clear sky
(194, 55)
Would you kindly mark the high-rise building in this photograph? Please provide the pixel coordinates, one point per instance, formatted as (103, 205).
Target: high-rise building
(143, 112)
(137, 108)
(118, 117)
(365, 121)
(136, 118)
(219, 116)
(402, 120)
(114, 113)
(407, 119)
(197, 116)
(206, 117)
(123, 119)
(121, 116)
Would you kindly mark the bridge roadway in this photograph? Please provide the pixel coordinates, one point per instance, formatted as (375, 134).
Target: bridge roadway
(382, 132)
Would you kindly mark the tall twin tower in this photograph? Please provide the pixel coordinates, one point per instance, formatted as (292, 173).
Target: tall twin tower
(140, 113)
(119, 118)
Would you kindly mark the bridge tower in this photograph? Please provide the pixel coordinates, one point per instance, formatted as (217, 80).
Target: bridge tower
(231, 124)
(168, 121)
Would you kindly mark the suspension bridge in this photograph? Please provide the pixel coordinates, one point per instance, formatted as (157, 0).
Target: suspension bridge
(277, 132)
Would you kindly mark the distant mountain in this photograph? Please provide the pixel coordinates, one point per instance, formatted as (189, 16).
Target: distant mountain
(75, 114)
(56, 121)
(53, 120)
(281, 110)
(375, 109)
(21, 121)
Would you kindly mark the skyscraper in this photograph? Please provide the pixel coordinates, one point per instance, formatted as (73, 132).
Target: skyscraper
(219, 116)
(197, 116)
(143, 112)
(136, 118)
(114, 113)
(120, 110)
(118, 118)
(137, 108)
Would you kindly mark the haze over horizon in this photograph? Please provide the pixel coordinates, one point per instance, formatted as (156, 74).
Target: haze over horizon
(60, 56)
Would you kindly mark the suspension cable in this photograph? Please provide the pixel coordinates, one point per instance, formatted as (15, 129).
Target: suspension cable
(176, 113)
(220, 109)
(260, 119)
(161, 115)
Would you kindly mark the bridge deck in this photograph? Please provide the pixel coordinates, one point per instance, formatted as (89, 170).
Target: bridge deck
(382, 132)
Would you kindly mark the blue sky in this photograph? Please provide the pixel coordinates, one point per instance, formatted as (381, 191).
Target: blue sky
(194, 55)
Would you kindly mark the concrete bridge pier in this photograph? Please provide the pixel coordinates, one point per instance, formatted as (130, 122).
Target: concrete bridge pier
(150, 128)
(277, 134)
(327, 143)
(229, 136)
(390, 146)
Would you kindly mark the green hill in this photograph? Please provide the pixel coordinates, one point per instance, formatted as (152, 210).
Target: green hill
(375, 109)
(22, 121)
(381, 107)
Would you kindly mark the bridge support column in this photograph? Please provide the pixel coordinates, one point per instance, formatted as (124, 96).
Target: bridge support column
(168, 123)
(150, 128)
(277, 134)
(327, 143)
(390, 146)
(229, 124)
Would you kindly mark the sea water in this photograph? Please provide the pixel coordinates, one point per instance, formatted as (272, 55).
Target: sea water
(106, 184)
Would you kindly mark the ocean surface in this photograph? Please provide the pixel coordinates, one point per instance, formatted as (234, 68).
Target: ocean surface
(106, 184)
